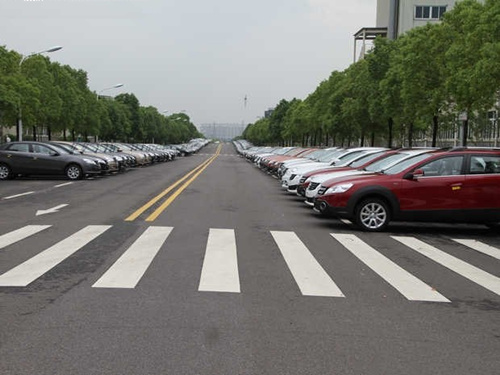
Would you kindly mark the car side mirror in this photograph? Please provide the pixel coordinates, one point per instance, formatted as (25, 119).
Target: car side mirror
(53, 153)
(415, 175)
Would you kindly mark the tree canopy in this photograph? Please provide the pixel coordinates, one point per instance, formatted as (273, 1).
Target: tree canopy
(404, 90)
(56, 98)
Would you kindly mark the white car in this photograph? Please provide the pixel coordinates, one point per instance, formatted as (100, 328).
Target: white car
(315, 182)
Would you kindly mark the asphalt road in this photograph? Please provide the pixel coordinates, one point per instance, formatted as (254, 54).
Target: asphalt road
(233, 276)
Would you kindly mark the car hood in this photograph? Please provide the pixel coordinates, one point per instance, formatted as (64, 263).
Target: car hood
(370, 177)
(327, 176)
(307, 167)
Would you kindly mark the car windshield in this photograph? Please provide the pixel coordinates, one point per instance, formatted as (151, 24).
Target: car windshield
(346, 159)
(317, 154)
(399, 167)
(385, 162)
(330, 155)
(365, 159)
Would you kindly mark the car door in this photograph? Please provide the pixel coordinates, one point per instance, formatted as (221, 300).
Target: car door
(18, 157)
(482, 187)
(46, 160)
(438, 194)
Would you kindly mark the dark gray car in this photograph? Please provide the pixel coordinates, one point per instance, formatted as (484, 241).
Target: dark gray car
(36, 158)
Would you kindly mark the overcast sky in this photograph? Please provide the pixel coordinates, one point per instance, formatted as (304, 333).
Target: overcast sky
(198, 56)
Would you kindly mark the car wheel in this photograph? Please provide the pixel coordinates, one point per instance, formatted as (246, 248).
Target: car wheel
(372, 215)
(5, 172)
(74, 172)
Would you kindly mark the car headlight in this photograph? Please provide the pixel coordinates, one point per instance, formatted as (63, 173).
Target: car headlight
(339, 189)
(88, 161)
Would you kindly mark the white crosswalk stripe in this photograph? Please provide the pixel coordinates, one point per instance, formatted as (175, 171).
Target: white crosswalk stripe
(220, 266)
(20, 234)
(408, 285)
(35, 267)
(481, 247)
(480, 277)
(310, 277)
(127, 271)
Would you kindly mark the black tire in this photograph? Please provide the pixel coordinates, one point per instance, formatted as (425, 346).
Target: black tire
(5, 172)
(493, 225)
(74, 172)
(372, 215)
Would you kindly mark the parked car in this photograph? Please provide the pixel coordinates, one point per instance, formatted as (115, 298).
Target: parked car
(291, 177)
(37, 158)
(112, 164)
(457, 186)
(387, 160)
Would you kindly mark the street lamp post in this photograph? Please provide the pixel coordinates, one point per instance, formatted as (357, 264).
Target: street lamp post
(109, 88)
(19, 129)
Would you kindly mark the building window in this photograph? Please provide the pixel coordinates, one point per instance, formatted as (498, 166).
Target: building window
(429, 12)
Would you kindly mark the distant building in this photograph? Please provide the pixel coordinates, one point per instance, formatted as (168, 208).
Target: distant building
(395, 17)
(224, 132)
(268, 113)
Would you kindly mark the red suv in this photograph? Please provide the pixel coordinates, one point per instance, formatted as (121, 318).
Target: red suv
(460, 185)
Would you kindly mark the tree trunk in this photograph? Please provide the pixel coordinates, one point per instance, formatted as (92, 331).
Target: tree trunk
(434, 130)
(362, 140)
(49, 133)
(73, 135)
(391, 126)
(465, 131)
(34, 133)
(410, 135)
(372, 141)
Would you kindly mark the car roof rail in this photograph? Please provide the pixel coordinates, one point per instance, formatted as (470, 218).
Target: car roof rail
(479, 148)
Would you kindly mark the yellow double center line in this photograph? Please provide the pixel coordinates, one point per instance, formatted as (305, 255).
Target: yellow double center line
(193, 174)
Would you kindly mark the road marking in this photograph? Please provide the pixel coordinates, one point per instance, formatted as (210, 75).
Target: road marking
(19, 195)
(220, 266)
(20, 234)
(128, 270)
(50, 210)
(408, 285)
(464, 269)
(310, 277)
(148, 205)
(481, 247)
(170, 199)
(35, 267)
(65, 184)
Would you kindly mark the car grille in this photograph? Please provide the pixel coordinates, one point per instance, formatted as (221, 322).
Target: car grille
(322, 190)
(303, 179)
(313, 185)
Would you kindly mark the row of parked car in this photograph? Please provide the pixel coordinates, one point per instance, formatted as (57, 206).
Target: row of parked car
(372, 186)
(76, 160)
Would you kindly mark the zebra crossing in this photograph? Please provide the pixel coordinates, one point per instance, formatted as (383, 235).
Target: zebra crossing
(220, 267)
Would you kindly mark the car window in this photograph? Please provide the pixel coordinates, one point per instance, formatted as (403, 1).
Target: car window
(21, 147)
(484, 164)
(447, 166)
(40, 149)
